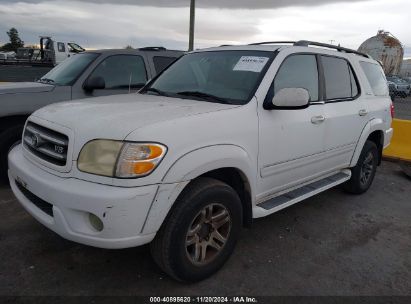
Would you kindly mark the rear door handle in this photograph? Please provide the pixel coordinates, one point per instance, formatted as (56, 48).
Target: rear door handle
(317, 119)
(363, 112)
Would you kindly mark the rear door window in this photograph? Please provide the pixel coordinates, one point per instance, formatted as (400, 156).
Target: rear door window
(61, 47)
(340, 82)
(375, 76)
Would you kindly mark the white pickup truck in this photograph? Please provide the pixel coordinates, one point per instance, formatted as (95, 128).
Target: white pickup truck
(221, 137)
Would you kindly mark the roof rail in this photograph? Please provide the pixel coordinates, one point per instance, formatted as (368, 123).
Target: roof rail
(330, 46)
(273, 42)
(152, 48)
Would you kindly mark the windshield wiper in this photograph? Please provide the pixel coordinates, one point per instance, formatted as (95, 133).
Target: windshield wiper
(204, 96)
(161, 93)
(132, 86)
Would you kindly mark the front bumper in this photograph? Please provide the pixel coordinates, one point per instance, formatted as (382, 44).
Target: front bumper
(123, 211)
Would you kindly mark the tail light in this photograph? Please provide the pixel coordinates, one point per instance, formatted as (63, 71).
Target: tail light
(392, 110)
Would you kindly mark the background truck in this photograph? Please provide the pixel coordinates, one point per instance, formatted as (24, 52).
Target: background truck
(29, 64)
(92, 73)
(50, 53)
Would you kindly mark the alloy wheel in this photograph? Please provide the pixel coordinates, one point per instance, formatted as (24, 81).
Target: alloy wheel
(207, 234)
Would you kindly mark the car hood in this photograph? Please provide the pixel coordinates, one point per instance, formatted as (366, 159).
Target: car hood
(24, 87)
(114, 117)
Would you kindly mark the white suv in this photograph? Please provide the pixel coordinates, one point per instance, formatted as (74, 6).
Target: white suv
(221, 137)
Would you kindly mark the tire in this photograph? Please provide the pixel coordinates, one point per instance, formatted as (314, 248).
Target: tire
(8, 139)
(186, 262)
(362, 175)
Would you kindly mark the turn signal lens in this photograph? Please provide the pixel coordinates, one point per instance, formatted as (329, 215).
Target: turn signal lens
(137, 159)
(142, 168)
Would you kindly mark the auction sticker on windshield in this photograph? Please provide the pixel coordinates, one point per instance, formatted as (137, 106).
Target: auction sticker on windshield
(251, 64)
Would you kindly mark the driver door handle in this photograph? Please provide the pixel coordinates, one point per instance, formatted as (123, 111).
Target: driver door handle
(317, 119)
(362, 112)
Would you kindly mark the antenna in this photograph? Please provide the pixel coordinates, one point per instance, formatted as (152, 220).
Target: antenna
(129, 83)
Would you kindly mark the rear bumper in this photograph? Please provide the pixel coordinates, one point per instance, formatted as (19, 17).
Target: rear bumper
(123, 211)
(387, 137)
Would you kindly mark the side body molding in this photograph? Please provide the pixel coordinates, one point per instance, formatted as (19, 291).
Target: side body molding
(190, 166)
(376, 124)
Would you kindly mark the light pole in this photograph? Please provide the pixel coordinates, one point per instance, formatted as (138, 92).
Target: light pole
(192, 19)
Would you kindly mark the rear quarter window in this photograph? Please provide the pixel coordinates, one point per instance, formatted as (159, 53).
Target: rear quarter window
(375, 77)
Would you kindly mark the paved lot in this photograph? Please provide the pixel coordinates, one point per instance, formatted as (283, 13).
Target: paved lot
(403, 108)
(332, 244)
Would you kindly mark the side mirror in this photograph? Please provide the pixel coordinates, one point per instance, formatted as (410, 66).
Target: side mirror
(291, 99)
(94, 83)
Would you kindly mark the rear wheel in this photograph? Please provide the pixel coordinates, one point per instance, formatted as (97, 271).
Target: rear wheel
(201, 231)
(8, 139)
(363, 173)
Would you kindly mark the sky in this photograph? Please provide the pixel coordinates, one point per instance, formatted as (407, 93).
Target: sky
(116, 23)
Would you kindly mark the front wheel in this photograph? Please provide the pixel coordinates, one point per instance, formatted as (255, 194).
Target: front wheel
(362, 175)
(201, 231)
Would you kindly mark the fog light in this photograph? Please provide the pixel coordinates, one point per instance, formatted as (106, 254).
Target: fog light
(95, 222)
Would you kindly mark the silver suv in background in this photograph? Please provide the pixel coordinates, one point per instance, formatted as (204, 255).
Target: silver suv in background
(400, 87)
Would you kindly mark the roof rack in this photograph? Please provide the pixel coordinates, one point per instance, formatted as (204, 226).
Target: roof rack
(330, 46)
(152, 48)
(273, 42)
(313, 43)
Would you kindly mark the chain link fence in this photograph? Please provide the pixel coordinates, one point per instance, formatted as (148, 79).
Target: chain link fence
(402, 108)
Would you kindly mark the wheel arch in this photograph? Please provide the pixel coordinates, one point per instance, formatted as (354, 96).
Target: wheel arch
(237, 180)
(377, 137)
(10, 121)
(227, 163)
(374, 131)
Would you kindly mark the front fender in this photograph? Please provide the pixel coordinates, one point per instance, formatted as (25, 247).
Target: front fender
(188, 167)
(376, 124)
(205, 159)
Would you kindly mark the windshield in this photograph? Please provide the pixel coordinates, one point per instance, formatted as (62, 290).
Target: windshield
(75, 48)
(223, 76)
(69, 70)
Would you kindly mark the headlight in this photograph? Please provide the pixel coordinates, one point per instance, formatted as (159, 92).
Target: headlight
(120, 159)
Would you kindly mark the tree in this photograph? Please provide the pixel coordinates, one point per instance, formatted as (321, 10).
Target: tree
(15, 41)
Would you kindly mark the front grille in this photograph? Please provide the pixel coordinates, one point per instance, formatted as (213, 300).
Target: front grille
(38, 202)
(46, 144)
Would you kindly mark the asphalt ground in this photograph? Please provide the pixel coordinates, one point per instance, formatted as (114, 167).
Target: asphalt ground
(331, 244)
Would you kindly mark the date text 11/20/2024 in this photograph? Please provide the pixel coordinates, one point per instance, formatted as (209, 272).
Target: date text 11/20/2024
(239, 299)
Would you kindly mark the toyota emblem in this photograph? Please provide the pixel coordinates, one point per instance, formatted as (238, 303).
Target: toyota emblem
(35, 140)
